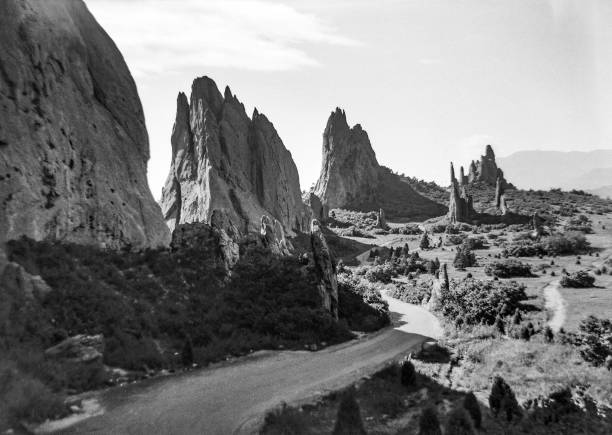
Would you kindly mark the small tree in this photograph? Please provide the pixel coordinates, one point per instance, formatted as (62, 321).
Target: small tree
(424, 244)
(349, 420)
(405, 250)
(525, 333)
(429, 423)
(471, 405)
(187, 353)
(548, 334)
(459, 423)
(502, 399)
(408, 373)
(517, 317)
(499, 324)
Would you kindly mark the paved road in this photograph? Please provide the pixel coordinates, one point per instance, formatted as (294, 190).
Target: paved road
(233, 398)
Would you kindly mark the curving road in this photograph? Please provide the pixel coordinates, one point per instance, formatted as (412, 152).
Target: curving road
(234, 398)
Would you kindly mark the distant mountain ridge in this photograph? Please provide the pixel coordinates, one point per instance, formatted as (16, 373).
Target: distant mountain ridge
(587, 170)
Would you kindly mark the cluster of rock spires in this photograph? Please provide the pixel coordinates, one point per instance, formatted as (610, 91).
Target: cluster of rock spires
(484, 173)
(352, 178)
(224, 160)
(73, 142)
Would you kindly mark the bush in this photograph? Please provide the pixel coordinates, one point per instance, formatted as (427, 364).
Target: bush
(408, 374)
(424, 243)
(360, 304)
(594, 339)
(459, 423)
(548, 334)
(508, 269)
(475, 301)
(502, 399)
(381, 273)
(349, 420)
(566, 244)
(471, 405)
(429, 423)
(580, 279)
(464, 258)
(413, 292)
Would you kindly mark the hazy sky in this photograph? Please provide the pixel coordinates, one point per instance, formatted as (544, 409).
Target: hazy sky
(430, 81)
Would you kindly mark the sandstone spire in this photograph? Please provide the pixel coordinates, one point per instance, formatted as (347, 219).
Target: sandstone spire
(460, 204)
(224, 160)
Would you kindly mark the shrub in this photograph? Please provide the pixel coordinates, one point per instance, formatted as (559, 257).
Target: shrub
(502, 399)
(360, 304)
(475, 243)
(381, 273)
(525, 333)
(594, 338)
(464, 258)
(580, 279)
(548, 334)
(517, 317)
(475, 301)
(408, 374)
(508, 269)
(424, 243)
(471, 405)
(349, 420)
(459, 423)
(187, 353)
(413, 292)
(284, 420)
(429, 423)
(565, 244)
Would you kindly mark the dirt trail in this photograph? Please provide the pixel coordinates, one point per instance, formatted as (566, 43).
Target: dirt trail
(234, 398)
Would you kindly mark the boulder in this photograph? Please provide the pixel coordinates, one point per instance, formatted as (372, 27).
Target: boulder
(325, 268)
(79, 349)
(224, 160)
(73, 140)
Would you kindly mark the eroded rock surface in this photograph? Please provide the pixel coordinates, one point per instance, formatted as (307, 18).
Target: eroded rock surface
(461, 208)
(73, 142)
(352, 178)
(79, 349)
(224, 160)
(325, 268)
(485, 169)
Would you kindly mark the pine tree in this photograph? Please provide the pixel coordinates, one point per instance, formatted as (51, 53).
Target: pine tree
(187, 353)
(429, 423)
(408, 375)
(499, 324)
(471, 405)
(349, 420)
(459, 423)
(424, 241)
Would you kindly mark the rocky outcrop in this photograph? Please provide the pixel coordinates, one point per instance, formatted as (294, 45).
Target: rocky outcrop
(273, 236)
(73, 142)
(352, 178)
(350, 171)
(318, 210)
(381, 220)
(325, 268)
(220, 233)
(485, 170)
(500, 197)
(461, 208)
(79, 349)
(224, 160)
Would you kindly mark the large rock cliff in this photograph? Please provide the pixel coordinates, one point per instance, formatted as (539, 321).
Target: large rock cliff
(352, 178)
(73, 142)
(224, 160)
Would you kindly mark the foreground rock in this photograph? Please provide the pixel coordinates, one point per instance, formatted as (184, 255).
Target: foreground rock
(73, 140)
(224, 160)
(352, 178)
(325, 267)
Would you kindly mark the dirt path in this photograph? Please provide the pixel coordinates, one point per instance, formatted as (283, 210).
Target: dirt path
(554, 302)
(234, 398)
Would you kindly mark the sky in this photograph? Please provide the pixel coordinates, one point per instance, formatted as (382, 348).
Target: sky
(431, 81)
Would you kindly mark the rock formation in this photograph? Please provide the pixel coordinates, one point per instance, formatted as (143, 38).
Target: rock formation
(461, 207)
(352, 178)
(485, 170)
(79, 349)
(500, 197)
(318, 210)
(381, 220)
(273, 236)
(73, 142)
(325, 268)
(224, 160)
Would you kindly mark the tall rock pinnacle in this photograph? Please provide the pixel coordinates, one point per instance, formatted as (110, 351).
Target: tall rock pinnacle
(73, 142)
(223, 160)
(352, 178)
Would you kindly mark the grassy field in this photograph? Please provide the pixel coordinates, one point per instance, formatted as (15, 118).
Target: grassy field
(534, 368)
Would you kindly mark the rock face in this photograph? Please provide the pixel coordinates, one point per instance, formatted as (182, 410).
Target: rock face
(325, 268)
(352, 178)
(79, 349)
(350, 171)
(224, 160)
(318, 210)
(461, 208)
(381, 220)
(273, 236)
(73, 142)
(485, 170)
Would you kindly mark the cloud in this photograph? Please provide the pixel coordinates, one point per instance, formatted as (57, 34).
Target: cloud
(430, 61)
(167, 35)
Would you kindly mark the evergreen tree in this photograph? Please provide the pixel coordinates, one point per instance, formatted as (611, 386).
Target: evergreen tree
(349, 420)
(471, 405)
(424, 244)
(459, 423)
(408, 375)
(187, 353)
(429, 423)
